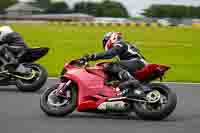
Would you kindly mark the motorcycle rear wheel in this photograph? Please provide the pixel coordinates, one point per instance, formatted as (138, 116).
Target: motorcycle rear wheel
(152, 111)
(62, 109)
(36, 83)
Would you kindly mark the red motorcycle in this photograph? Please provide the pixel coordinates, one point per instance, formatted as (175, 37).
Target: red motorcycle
(87, 88)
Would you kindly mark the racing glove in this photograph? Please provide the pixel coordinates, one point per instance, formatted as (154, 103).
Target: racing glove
(91, 57)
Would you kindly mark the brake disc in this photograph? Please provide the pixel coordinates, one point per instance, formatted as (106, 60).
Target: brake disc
(56, 102)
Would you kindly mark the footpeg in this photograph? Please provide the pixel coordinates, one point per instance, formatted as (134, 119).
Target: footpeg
(22, 69)
(138, 93)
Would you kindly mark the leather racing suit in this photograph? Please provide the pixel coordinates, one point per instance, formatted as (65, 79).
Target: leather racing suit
(130, 60)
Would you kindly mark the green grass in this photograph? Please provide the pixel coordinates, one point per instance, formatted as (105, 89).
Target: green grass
(177, 47)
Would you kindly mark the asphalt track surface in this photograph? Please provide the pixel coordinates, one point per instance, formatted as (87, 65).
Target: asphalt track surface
(21, 113)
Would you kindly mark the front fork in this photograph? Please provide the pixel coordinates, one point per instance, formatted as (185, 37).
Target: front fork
(62, 89)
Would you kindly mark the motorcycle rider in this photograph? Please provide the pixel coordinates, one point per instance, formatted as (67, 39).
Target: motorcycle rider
(130, 61)
(14, 48)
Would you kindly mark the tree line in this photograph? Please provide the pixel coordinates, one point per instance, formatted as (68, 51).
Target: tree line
(106, 8)
(99, 9)
(109, 8)
(5, 3)
(172, 11)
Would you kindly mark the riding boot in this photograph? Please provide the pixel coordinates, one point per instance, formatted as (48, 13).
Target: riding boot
(130, 87)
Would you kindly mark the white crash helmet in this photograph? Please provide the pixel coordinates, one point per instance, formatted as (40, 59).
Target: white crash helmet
(4, 31)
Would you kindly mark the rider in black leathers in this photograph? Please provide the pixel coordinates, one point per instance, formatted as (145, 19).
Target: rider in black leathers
(14, 44)
(130, 61)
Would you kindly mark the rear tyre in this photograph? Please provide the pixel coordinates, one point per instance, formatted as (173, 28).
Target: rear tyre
(160, 110)
(36, 83)
(58, 109)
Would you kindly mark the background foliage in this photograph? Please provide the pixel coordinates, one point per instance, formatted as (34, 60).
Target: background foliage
(106, 8)
(6, 3)
(172, 11)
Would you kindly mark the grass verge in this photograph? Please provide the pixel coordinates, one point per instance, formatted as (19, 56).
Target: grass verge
(177, 47)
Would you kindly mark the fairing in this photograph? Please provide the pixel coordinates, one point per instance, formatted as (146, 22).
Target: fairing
(91, 88)
(33, 54)
(150, 70)
(97, 70)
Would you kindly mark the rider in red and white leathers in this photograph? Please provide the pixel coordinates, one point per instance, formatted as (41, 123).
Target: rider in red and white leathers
(130, 61)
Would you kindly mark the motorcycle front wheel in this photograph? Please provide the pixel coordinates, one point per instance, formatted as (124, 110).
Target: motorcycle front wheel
(160, 109)
(57, 106)
(36, 82)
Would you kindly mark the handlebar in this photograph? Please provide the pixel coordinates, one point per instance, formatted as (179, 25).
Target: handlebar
(83, 63)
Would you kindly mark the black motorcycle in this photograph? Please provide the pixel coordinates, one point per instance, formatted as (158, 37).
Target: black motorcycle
(32, 76)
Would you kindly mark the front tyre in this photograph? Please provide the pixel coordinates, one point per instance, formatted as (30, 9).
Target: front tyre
(35, 83)
(159, 110)
(56, 106)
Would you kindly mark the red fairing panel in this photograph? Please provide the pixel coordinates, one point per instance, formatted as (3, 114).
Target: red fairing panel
(89, 88)
(97, 70)
(148, 70)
